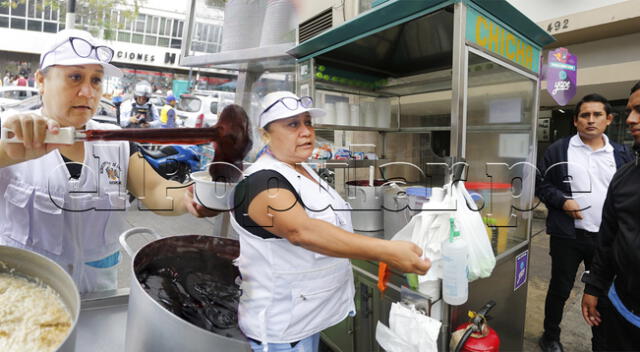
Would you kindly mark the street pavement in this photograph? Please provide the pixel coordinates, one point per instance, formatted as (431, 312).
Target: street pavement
(576, 335)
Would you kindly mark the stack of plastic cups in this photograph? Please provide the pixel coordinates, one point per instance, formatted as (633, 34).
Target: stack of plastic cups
(368, 111)
(383, 112)
(354, 117)
(342, 113)
(237, 34)
(330, 118)
(279, 23)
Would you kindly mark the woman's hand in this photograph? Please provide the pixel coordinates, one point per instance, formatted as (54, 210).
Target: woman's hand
(32, 130)
(194, 208)
(589, 311)
(405, 257)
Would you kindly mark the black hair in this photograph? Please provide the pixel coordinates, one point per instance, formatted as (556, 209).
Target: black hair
(635, 87)
(593, 98)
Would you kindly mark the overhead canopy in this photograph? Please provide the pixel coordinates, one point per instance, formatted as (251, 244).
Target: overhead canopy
(402, 37)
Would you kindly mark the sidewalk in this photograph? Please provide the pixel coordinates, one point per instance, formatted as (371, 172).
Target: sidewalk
(576, 334)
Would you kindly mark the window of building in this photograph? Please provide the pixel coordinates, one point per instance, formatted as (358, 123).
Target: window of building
(137, 38)
(50, 27)
(150, 40)
(152, 25)
(176, 43)
(176, 32)
(35, 9)
(34, 25)
(124, 36)
(163, 42)
(162, 27)
(20, 10)
(17, 23)
(4, 21)
(139, 27)
(4, 10)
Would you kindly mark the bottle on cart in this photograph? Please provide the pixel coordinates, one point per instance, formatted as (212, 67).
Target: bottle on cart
(455, 261)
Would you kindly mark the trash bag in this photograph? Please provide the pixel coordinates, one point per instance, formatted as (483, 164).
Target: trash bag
(409, 331)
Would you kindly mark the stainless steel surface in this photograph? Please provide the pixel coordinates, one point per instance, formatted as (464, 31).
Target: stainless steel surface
(103, 321)
(268, 57)
(151, 327)
(347, 164)
(396, 212)
(509, 313)
(459, 83)
(366, 202)
(37, 266)
(356, 334)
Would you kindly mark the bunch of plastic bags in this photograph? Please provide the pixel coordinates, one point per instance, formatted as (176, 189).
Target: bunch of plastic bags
(409, 331)
(430, 228)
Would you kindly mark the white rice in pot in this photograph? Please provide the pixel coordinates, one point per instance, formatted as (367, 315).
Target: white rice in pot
(32, 316)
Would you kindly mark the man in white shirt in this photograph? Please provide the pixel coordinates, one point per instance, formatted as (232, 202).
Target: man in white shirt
(575, 175)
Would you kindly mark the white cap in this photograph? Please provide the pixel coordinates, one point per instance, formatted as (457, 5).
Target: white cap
(60, 52)
(280, 111)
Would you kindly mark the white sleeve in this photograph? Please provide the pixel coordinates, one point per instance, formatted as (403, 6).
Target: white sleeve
(125, 113)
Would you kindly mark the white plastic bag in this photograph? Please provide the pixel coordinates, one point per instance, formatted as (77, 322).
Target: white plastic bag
(472, 229)
(408, 331)
(430, 228)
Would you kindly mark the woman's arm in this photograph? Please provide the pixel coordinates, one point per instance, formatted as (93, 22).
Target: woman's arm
(278, 211)
(160, 195)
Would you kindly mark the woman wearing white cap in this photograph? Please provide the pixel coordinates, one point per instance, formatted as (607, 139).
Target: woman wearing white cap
(67, 201)
(295, 235)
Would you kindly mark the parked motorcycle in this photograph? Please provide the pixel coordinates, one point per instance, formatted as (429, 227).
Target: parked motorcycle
(173, 162)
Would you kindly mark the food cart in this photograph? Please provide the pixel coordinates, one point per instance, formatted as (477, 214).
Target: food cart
(428, 83)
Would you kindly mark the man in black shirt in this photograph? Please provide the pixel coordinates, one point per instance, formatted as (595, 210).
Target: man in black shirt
(611, 297)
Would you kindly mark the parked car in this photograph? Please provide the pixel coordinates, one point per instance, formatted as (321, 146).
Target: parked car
(15, 94)
(157, 100)
(106, 110)
(200, 108)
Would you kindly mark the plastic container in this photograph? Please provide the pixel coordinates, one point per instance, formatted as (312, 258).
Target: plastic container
(418, 196)
(455, 261)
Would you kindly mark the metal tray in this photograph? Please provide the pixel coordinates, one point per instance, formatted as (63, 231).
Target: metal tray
(103, 321)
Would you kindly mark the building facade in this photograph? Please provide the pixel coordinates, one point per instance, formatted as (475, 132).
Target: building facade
(147, 44)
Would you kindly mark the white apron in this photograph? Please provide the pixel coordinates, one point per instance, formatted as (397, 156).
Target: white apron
(74, 222)
(288, 292)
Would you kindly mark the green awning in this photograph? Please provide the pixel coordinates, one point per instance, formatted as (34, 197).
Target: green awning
(390, 17)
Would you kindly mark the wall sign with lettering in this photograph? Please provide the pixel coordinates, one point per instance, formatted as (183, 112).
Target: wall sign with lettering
(498, 40)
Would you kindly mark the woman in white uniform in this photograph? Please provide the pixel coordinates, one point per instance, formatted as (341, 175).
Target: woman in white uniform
(67, 201)
(295, 237)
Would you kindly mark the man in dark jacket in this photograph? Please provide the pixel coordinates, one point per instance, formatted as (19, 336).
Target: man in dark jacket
(574, 176)
(611, 297)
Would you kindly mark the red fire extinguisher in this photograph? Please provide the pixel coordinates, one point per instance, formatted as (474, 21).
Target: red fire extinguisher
(476, 335)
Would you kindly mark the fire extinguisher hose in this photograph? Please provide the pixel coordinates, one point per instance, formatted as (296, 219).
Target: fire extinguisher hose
(464, 338)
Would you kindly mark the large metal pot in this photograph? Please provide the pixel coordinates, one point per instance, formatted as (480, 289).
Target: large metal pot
(366, 204)
(36, 266)
(152, 327)
(396, 212)
(400, 204)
